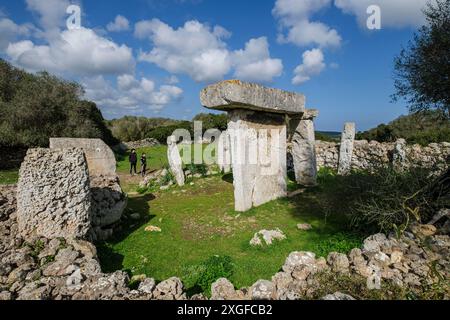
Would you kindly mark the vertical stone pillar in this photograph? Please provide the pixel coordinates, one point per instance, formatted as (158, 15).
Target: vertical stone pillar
(346, 149)
(258, 154)
(399, 155)
(175, 163)
(224, 152)
(303, 149)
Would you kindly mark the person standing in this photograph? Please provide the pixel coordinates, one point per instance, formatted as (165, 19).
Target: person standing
(133, 161)
(143, 164)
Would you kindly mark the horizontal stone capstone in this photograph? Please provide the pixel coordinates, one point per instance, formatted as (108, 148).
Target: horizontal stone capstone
(235, 94)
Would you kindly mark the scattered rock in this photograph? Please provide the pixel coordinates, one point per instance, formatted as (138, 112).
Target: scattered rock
(423, 230)
(338, 262)
(262, 290)
(152, 229)
(304, 226)
(222, 289)
(268, 236)
(338, 296)
(147, 286)
(170, 289)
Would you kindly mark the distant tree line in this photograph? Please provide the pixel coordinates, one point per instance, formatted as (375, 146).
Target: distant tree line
(35, 107)
(137, 128)
(422, 127)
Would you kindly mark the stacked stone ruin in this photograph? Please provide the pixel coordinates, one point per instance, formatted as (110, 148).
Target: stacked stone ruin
(70, 190)
(257, 132)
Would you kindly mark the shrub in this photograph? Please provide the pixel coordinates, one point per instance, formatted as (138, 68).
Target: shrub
(167, 178)
(197, 168)
(389, 200)
(206, 273)
(339, 242)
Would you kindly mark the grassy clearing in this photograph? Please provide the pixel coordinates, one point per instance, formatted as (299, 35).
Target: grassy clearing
(198, 221)
(9, 176)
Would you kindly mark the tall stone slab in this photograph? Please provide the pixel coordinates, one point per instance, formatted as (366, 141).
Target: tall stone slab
(303, 148)
(346, 148)
(258, 153)
(175, 162)
(224, 152)
(53, 194)
(399, 159)
(257, 130)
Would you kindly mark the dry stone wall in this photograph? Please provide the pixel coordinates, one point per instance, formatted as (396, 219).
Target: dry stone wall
(368, 155)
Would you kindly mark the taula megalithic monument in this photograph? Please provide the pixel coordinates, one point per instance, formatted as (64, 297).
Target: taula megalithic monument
(259, 119)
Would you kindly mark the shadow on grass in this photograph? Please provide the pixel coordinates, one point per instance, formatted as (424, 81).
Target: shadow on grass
(111, 260)
(228, 177)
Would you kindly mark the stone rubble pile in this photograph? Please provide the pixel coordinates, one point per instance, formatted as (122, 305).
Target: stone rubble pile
(64, 268)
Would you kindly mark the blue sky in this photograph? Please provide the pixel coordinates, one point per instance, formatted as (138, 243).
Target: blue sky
(151, 58)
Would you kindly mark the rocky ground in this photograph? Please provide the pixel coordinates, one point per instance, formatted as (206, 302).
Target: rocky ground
(69, 269)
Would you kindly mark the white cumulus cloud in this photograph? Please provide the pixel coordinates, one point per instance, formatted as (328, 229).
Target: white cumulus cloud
(120, 23)
(394, 13)
(130, 93)
(312, 65)
(254, 62)
(78, 51)
(297, 27)
(10, 31)
(201, 52)
(193, 49)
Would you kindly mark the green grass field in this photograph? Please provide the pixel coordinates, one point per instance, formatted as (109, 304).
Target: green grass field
(9, 176)
(198, 221)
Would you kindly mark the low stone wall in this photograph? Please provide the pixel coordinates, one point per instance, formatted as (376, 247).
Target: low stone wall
(367, 155)
(148, 142)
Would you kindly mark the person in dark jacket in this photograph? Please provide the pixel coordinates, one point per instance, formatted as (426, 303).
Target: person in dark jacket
(143, 164)
(133, 161)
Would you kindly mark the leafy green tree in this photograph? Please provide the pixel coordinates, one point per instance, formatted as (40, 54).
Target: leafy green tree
(422, 70)
(35, 107)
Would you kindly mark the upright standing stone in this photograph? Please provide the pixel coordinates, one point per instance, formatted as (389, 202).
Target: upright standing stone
(399, 157)
(303, 149)
(53, 194)
(346, 150)
(175, 163)
(224, 152)
(258, 155)
(257, 130)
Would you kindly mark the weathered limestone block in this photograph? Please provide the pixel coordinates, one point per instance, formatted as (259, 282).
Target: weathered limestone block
(303, 150)
(346, 150)
(108, 200)
(258, 153)
(235, 94)
(175, 163)
(224, 152)
(53, 194)
(99, 156)
(108, 204)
